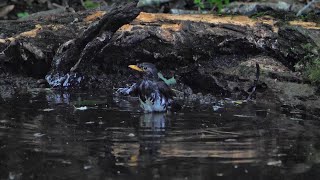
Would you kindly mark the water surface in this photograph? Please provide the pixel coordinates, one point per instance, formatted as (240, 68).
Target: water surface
(55, 135)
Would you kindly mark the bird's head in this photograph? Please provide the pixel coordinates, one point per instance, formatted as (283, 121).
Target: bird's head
(148, 69)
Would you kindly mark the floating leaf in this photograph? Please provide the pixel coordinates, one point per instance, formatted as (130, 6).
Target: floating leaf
(22, 14)
(171, 81)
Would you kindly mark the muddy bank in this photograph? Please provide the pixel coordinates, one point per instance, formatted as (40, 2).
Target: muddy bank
(210, 56)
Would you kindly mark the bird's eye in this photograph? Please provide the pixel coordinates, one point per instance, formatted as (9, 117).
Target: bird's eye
(144, 68)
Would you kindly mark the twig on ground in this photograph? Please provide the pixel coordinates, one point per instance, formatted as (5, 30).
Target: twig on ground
(301, 11)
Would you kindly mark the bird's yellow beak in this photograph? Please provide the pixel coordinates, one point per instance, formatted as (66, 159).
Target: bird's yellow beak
(135, 67)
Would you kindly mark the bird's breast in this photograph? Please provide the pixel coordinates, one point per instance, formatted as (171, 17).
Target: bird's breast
(151, 99)
(153, 103)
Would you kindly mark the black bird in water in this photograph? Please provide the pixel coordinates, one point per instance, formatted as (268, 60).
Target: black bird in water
(154, 94)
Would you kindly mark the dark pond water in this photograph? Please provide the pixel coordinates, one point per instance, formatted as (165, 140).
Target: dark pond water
(56, 135)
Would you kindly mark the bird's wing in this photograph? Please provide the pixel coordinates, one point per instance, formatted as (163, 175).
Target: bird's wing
(165, 89)
(133, 90)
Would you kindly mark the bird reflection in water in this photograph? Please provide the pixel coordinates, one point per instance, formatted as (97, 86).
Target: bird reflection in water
(149, 136)
(153, 121)
(151, 132)
(58, 98)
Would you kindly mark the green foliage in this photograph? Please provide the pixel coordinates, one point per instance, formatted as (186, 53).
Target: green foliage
(212, 3)
(22, 14)
(310, 64)
(307, 47)
(199, 3)
(89, 4)
(313, 70)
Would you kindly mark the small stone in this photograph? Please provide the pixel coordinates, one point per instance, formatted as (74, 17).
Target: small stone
(47, 110)
(131, 135)
(41, 81)
(38, 134)
(220, 174)
(89, 122)
(274, 163)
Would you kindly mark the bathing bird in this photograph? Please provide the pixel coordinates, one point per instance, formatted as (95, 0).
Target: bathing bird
(154, 94)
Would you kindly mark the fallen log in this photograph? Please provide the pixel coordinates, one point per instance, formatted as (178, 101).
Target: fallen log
(28, 46)
(208, 54)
